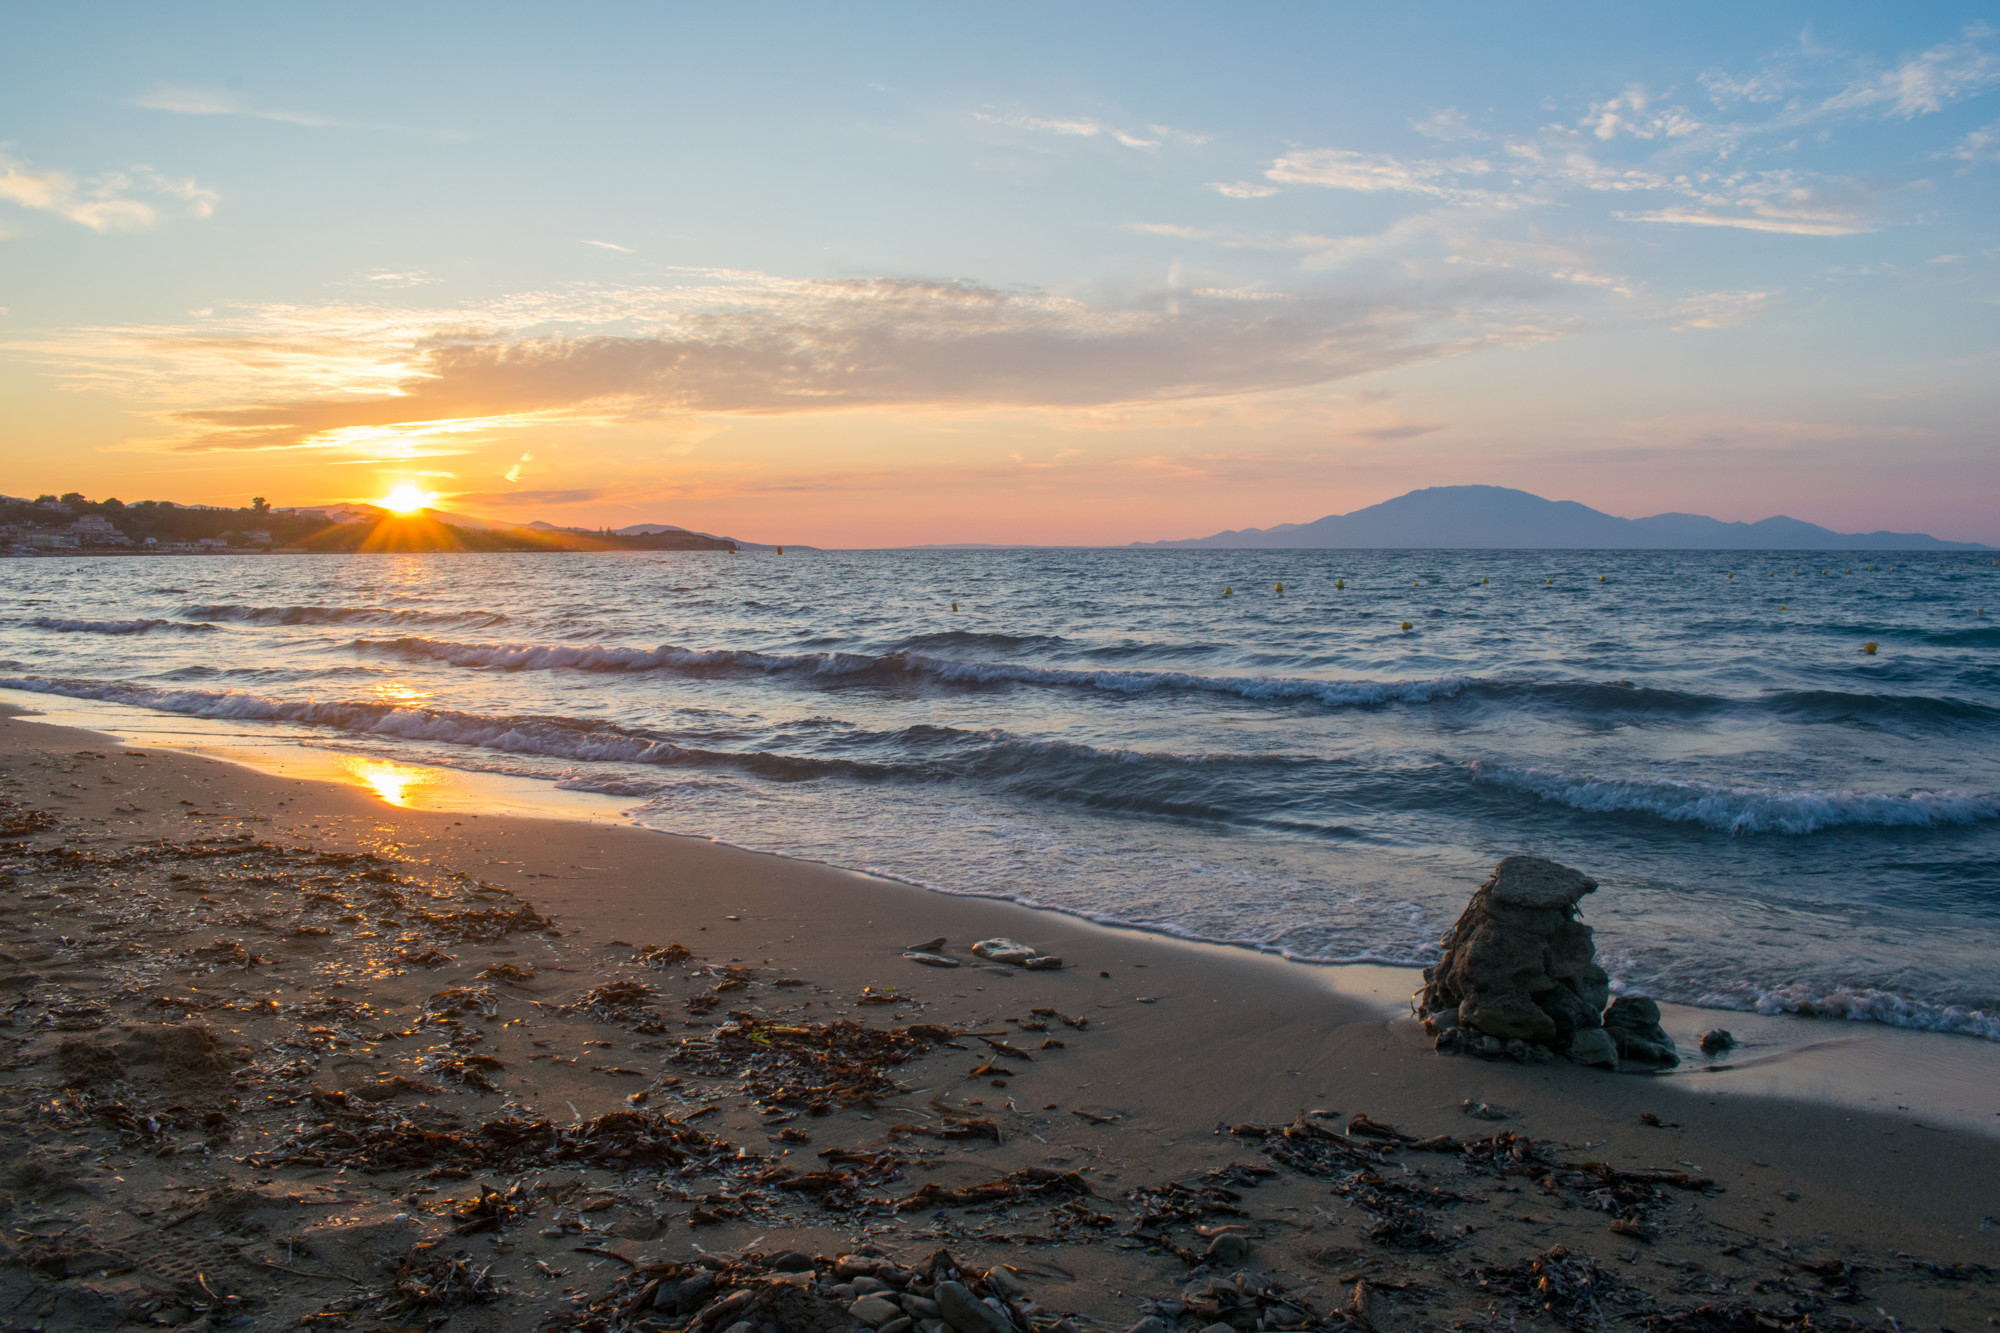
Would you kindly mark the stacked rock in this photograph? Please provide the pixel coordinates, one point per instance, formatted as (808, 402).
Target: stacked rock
(1519, 977)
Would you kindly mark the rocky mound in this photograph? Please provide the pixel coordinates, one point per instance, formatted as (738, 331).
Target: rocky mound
(1519, 977)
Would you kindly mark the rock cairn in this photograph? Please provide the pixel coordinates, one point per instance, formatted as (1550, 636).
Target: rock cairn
(1519, 977)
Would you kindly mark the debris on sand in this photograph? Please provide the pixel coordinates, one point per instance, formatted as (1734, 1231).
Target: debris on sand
(810, 1067)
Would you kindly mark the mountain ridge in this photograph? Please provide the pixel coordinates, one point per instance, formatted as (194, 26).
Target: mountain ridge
(1503, 518)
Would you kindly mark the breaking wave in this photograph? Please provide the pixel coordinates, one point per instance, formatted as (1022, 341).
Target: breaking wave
(904, 665)
(1743, 809)
(63, 625)
(339, 615)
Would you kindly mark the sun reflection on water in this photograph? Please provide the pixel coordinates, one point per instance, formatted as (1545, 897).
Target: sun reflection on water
(393, 782)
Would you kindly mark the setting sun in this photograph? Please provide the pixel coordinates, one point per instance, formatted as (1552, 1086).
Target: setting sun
(405, 498)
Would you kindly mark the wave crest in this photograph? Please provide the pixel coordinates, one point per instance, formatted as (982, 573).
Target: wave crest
(697, 661)
(339, 615)
(1742, 809)
(65, 625)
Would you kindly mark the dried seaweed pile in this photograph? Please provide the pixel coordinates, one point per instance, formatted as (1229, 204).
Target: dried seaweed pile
(372, 1138)
(810, 1067)
(793, 1292)
(1247, 1303)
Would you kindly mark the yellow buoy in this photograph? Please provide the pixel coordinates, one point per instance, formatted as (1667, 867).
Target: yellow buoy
(1600, 578)
(1850, 569)
(781, 550)
(1482, 582)
(1340, 583)
(1406, 624)
(1416, 583)
(954, 606)
(1784, 608)
(1548, 580)
(1869, 647)
(1228, 591)
(1281, 590)
(1729, 576)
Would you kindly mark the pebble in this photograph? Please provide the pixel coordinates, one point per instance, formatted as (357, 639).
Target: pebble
(1227, 1249)
(967, 1313)
(874, 1310)
(1716, 1040)
(930, 959)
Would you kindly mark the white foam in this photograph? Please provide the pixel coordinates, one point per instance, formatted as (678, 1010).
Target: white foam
(1743, 809)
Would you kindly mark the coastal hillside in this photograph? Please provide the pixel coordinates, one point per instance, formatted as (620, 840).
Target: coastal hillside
(1501, 518)
(160, 527)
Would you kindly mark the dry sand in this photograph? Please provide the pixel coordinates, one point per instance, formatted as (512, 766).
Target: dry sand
(272, 1040)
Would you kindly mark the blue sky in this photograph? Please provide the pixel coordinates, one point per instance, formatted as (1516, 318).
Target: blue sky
(930, 273)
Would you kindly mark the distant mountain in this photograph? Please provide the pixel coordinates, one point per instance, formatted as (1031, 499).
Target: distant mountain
(1497, 517)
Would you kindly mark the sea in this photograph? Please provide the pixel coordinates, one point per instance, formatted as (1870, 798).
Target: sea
(1783, 768)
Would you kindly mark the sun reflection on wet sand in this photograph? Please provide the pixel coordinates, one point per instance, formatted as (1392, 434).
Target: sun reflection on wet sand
(392, 781)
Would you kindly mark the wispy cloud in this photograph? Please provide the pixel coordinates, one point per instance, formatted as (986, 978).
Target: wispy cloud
(611, 245)
(1720, 310)
(1243, 189)
(1980, 145)
(1170, 229)
(1925, 83)
(1449, 124)
(1345, 169)
(197, 100)
(189, 99)
(107, 202)
(369, 378)
(1779, 203)
(1088, 127)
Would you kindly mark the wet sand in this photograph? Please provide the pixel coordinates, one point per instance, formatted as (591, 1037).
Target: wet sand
(271, 1038)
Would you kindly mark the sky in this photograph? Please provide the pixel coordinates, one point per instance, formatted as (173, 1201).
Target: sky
(883, 274)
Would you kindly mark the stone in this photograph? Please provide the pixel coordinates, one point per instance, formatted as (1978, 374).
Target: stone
(1568, 1011)
(1518, 966)
(1004, 1283)
(875, 1310)
(1593, 1046)
(903, 1325)
(1715, 1041)
(1046, 962)
(966, 1312)
(1228, 1248)
(1531, 881)
(1634, 1024)
(1507, 1017)
(930, 959)
(1000, 949)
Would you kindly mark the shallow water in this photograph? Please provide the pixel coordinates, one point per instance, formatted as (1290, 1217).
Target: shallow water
(1779, 820)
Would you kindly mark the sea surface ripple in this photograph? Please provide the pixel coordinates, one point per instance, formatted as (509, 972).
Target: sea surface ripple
(1781, 821)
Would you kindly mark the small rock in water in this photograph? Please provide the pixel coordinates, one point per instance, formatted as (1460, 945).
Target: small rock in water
(1482, 1111)
(1046, 962)
(1716, 1040)
(930, 959)
(928, 946)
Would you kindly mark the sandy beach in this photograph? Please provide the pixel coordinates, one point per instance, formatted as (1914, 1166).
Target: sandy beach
(282, 1054)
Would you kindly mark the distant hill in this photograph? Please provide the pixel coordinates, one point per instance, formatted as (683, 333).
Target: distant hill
(1497, 517)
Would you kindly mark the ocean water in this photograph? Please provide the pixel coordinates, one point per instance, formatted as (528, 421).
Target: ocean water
(1779, 820)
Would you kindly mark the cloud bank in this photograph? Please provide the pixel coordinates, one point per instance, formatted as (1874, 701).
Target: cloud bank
(749, 344)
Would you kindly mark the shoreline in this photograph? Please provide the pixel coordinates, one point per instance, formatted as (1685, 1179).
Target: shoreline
(1157, 1060)
(1861, 1063)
